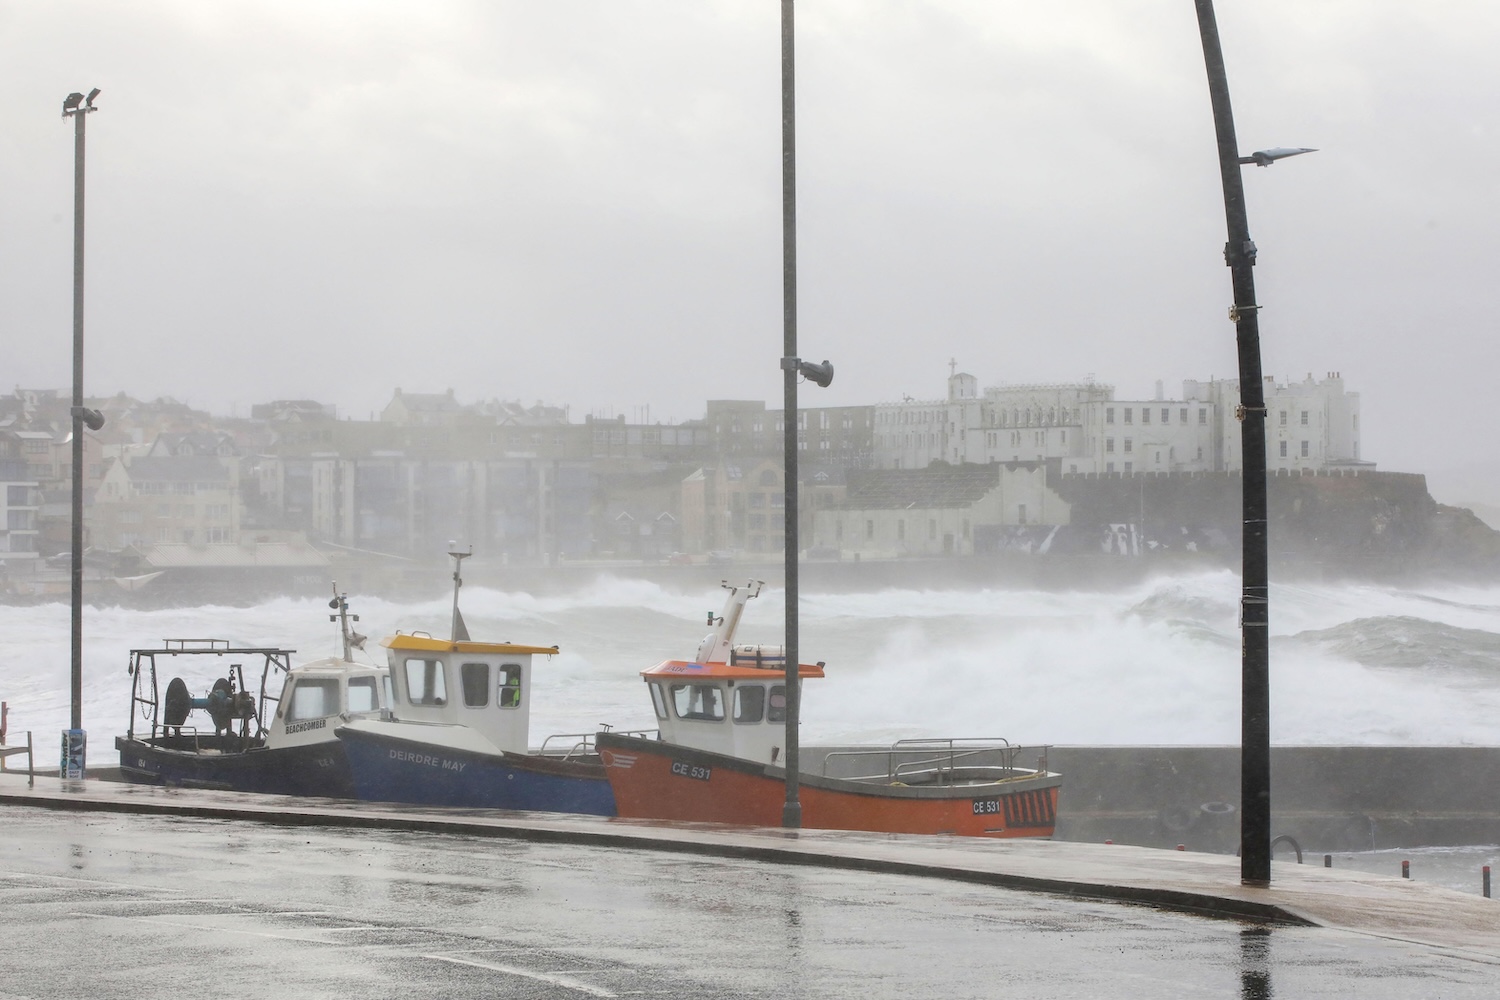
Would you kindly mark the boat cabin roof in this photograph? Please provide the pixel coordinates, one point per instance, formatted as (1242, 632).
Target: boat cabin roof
(412, 642)
(727, 671)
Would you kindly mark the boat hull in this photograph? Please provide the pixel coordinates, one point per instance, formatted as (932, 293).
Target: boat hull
(656, 780)
(388, 768)
(317, 769)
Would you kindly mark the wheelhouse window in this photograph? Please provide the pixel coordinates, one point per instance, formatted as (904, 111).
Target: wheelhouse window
(508, 693)
(702, 702)
(363, 694)
(658, 701)
(424, 682)
(778, 704)
(749, 703)
(314, 699)
(475, 678)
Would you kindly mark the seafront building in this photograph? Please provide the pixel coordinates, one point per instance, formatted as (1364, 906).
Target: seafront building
(1312, 425)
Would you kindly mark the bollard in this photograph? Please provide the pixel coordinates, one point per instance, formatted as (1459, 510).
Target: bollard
(1486, 881)
(1406, 869)
(1328, 861)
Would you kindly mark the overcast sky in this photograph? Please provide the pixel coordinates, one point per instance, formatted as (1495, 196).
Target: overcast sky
(578, 201)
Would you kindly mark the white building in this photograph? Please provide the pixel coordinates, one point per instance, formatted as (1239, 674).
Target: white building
(1310, 425)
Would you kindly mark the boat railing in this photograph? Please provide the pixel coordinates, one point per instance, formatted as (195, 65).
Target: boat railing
(559, 745)
(582, 745)
(923, 755)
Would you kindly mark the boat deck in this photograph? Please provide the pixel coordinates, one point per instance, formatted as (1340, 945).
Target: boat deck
(1382, 906)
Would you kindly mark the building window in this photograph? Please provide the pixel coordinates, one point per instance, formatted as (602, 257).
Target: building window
(1283, 418)
(869, 529)
(1109, 415)
(1283, 449)
(1304, 418)
(1128, 443)
(1145, 414)
(1021, 513)
(1304, 449)
(1109, 445)
(1128, 414)
(1182, 415)
(1165, 415)
(1202, 415)
(1109, 467)
(1128, 467)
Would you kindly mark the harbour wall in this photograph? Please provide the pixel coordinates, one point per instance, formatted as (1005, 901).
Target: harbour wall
(1325, 798)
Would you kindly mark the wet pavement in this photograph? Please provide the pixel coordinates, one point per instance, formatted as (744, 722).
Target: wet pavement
(129, 891)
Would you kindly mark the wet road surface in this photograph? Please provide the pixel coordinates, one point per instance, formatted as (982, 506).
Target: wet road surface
(128, 906)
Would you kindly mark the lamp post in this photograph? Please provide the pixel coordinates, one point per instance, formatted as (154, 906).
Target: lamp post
(1239, 255)
(78, 107)
(791, 367)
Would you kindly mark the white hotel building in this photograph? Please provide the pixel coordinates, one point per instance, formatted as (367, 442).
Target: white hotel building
(1311, 425)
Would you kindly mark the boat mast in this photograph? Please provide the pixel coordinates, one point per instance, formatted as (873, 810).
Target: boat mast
(459, 631)
(340, 603)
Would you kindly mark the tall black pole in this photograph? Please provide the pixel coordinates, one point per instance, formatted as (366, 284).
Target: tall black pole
(1255, 704)
(79, 112)
(791, 813)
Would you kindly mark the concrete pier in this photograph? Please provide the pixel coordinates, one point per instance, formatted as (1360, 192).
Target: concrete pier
(1191, 881)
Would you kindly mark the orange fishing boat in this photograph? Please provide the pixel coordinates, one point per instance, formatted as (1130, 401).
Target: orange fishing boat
(718, 754)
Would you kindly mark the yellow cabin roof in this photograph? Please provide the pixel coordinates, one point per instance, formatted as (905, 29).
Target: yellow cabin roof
(427, 644)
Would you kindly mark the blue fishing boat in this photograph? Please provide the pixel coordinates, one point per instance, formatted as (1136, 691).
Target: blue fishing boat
(457, 731)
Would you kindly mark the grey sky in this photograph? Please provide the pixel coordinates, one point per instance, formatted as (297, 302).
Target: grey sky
(578, 201)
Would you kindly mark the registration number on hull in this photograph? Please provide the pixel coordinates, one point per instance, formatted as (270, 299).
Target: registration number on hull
(986, 807)
(685, 770)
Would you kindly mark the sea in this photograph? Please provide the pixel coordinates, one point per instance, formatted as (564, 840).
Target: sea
(1155, 662)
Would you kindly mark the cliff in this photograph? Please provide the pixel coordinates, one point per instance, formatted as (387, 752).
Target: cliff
(1363, 523)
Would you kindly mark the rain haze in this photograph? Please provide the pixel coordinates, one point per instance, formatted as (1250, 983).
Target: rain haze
(579, 202)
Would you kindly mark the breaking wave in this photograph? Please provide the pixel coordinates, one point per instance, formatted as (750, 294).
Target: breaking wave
(1157, 662)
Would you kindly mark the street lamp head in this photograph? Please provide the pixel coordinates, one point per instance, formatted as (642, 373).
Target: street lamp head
(88, 102)
(1266, 157)
(71, 102)
(810, 370)
(820, 375)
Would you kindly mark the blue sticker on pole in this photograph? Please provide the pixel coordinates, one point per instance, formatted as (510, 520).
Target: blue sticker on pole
(74, 742)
